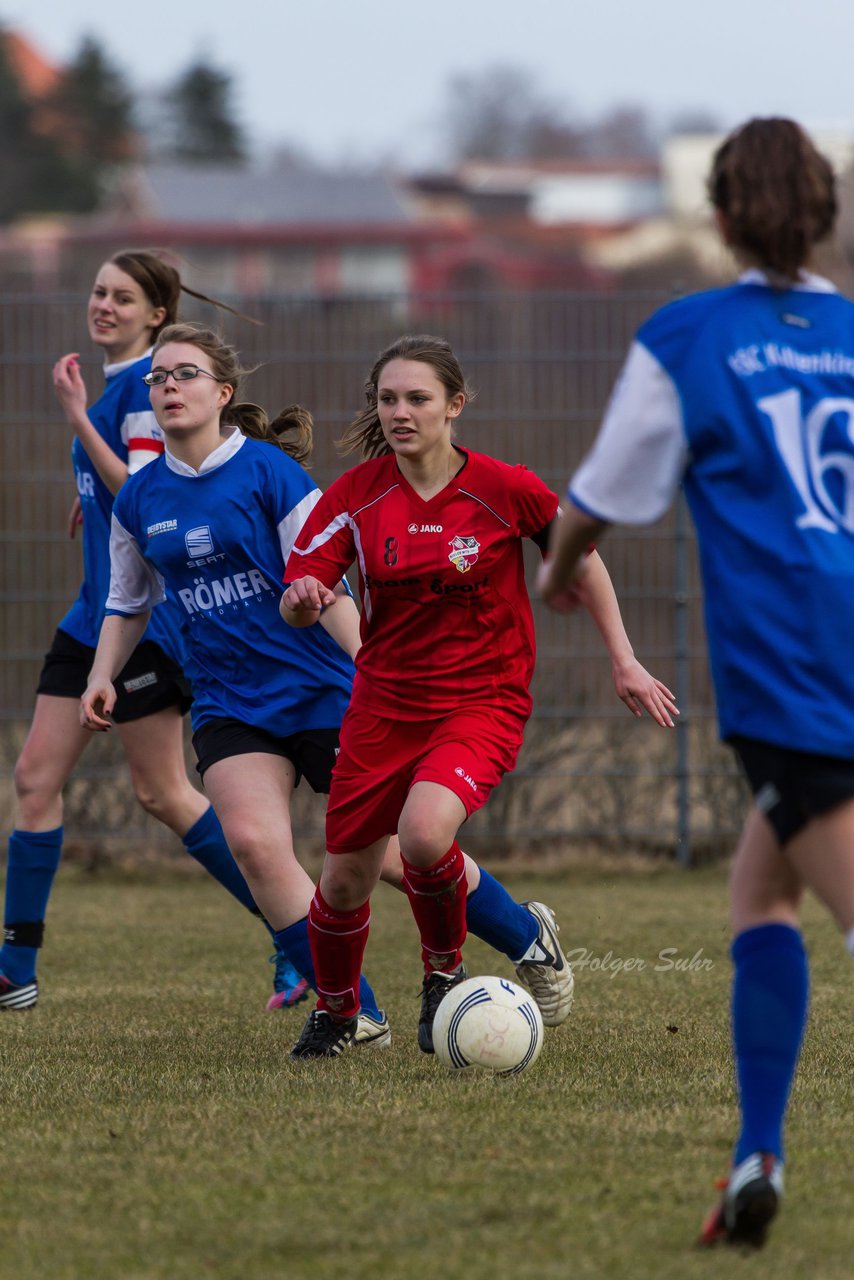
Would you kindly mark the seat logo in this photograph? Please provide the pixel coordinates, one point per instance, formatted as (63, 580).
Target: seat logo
(199, 542)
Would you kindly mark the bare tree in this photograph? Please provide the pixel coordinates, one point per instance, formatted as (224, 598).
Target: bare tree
(622, 133)
(501, 114)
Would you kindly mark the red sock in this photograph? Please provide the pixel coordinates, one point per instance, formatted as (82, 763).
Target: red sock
(437, 896)
(337, 940)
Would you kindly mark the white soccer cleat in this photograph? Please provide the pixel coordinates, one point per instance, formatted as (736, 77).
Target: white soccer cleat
(544, 970)
(370, 1033)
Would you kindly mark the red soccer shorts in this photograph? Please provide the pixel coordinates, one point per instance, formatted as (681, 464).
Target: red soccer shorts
(380, 759)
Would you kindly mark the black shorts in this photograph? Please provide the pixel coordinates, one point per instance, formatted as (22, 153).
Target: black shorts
(792, 787)
(312, 752)
(149, 681)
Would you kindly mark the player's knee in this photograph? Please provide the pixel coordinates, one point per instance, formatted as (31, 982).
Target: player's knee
(161, 802)
(34, 789)
(345, 885)
(424, 840)
(251, 849)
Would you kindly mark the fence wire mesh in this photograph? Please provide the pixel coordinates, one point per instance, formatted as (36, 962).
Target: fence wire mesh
(542, 366)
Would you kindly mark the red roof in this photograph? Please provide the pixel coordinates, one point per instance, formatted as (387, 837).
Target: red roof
(36, 76)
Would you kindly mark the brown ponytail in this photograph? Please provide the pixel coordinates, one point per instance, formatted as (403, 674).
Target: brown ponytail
(253, 421)
(776, 192)
(162, 285)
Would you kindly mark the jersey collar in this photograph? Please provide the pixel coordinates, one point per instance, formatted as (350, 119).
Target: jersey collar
(110, 370)
(808, 282)
(229, 447)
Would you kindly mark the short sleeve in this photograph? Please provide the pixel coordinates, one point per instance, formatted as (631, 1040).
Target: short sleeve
(535, 503)
(324, 547)
(634, 467)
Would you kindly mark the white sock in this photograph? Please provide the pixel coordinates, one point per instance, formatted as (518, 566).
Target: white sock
(849, 940)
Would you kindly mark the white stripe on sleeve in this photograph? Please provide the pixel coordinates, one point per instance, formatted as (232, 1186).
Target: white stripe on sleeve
(320, 539)
(294, 521)
(634, 467)
(135, 585)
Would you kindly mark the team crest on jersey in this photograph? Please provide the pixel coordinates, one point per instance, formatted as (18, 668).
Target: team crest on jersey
(464, 552)
(199, 542)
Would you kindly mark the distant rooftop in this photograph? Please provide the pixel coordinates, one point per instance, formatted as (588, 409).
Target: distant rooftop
(36, 76)
(255, 195)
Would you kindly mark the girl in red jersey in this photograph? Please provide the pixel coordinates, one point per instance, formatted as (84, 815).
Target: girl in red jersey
(440, 698)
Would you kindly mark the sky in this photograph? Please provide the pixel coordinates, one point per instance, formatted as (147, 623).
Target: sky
(365, 80)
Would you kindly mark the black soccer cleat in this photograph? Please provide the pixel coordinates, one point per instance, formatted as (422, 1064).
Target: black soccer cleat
(435, 987)
(324, 1036)
(14, 995)
(751, 1198)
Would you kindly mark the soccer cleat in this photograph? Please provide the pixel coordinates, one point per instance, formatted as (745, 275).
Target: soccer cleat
(435, 987)
(324, 1037)
(289, 986)
(371, 1032)
(752, 1195)
(544, 970)
(17, 996)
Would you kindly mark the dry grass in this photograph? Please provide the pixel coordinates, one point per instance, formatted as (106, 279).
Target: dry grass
(155, 1129)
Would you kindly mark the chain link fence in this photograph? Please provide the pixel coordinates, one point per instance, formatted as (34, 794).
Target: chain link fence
(542, 366)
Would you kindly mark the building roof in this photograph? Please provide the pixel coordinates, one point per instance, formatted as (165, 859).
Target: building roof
(35, 75)
(256, 195)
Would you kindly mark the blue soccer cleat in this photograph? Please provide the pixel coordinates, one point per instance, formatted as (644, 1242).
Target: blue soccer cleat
(289, 987)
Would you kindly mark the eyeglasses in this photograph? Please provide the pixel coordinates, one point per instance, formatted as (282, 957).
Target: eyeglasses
(181, 373)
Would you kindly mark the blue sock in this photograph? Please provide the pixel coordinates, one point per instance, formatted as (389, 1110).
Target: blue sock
(293, 943)
(33, 859)
(770, 997)
(494, 917)
(206, 843)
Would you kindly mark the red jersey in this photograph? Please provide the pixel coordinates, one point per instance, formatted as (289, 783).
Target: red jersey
(446, 619)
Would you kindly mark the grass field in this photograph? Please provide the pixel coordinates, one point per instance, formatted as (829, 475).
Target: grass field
(154, 1129)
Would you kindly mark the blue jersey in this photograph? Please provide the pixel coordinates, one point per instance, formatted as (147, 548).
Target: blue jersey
(218, 539)
(122, 416)
(747, 393)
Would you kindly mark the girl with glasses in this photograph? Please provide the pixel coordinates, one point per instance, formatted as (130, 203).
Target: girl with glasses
(210, 522)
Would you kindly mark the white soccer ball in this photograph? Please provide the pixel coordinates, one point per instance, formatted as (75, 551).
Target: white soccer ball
(490, 1023)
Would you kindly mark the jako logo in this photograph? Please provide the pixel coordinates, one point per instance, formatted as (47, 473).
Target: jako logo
(198, 542)
(461, 773)
(426, 528)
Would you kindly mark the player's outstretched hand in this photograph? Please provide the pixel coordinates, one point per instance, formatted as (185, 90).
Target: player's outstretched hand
(69, 385)
(96, 706)
(303, 600)
(639, 690)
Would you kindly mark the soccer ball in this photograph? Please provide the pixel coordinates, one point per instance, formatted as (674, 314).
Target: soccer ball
(489, 1023)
